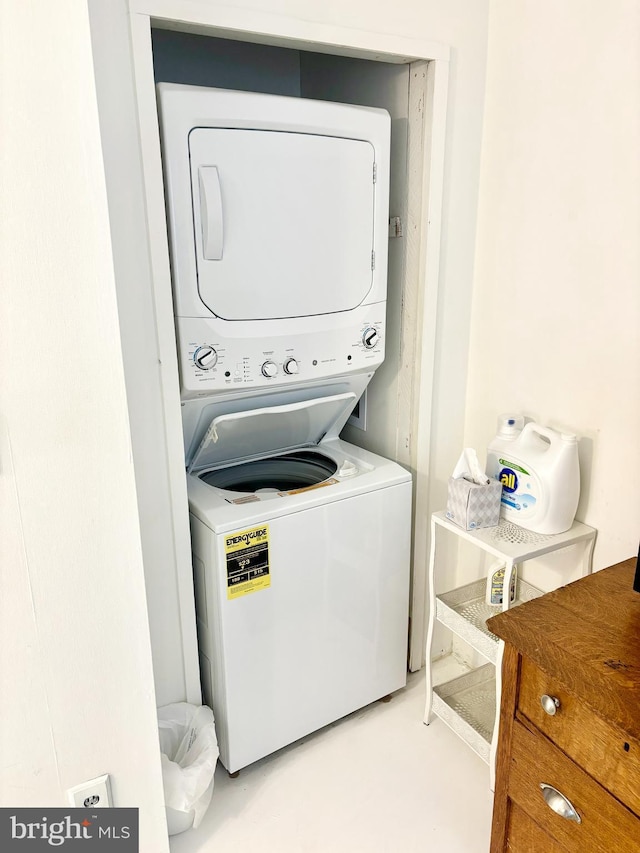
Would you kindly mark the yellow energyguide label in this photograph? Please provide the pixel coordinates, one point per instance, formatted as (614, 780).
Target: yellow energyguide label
(247, 561)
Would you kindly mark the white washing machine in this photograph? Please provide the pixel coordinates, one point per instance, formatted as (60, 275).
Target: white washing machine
(301, 559)
(278, 228)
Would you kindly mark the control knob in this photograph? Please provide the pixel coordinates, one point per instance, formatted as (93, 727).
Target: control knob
(269, 369)
(291, 366)
(205, 357)
(370, 337)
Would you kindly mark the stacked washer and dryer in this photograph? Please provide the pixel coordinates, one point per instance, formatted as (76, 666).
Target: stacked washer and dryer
(278, 212)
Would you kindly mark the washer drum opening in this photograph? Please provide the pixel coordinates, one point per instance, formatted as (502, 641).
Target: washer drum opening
(283, 473)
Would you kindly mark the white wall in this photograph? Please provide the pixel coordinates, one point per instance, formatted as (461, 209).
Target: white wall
(148, 350)
(556, 306)
(77, 697)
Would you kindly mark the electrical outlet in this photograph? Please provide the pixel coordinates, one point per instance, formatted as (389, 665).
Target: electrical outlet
(95, 794)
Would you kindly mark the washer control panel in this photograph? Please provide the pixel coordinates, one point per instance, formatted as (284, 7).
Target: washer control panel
(211, 362)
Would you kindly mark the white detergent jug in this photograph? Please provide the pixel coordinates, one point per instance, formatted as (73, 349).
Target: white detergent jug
(540, 475)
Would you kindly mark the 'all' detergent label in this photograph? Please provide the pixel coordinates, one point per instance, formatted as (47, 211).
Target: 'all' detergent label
(519, 487)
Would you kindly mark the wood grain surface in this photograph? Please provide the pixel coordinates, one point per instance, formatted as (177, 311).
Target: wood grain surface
(501, 803)
(606, 827)
(588, 635)
(608, 754)
(525, 836)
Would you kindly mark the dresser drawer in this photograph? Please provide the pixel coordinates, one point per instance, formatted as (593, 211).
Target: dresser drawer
(605, 752)
(605, 826)
(525, 836)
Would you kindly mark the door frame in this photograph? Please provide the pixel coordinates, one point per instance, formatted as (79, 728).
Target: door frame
(429, 74)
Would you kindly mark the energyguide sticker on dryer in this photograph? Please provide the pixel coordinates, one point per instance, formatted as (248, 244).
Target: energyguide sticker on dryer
(247, 556)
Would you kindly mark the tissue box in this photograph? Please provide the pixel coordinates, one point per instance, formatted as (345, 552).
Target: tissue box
(471, 506)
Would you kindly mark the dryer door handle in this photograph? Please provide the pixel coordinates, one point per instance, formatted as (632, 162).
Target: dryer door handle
(211, 213)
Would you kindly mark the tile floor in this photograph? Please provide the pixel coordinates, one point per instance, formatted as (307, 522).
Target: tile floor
(378, 781)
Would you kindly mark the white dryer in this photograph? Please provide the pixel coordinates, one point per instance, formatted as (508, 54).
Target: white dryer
(278, 211)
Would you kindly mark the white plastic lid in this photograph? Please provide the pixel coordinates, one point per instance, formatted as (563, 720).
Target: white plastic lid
(246, 435)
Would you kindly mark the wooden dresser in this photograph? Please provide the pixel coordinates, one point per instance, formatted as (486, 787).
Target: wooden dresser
(568, 760)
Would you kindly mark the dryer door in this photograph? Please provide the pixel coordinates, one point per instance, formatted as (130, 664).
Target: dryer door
(283, 222)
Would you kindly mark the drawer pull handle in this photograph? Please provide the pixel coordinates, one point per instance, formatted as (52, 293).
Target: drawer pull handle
(558, 803)
(550, 704)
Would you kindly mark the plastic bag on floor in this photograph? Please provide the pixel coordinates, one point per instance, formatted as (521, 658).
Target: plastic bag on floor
(189, 754)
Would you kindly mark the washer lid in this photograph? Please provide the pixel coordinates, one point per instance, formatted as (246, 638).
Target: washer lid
(246, 435)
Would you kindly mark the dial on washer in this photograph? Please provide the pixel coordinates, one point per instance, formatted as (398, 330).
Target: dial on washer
(205, 357)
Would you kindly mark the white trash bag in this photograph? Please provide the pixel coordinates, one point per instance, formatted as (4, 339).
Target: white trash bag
(189, 754)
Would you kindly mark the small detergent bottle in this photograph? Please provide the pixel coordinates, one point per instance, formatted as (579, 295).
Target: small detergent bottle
(540, 475)
(495, 584)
